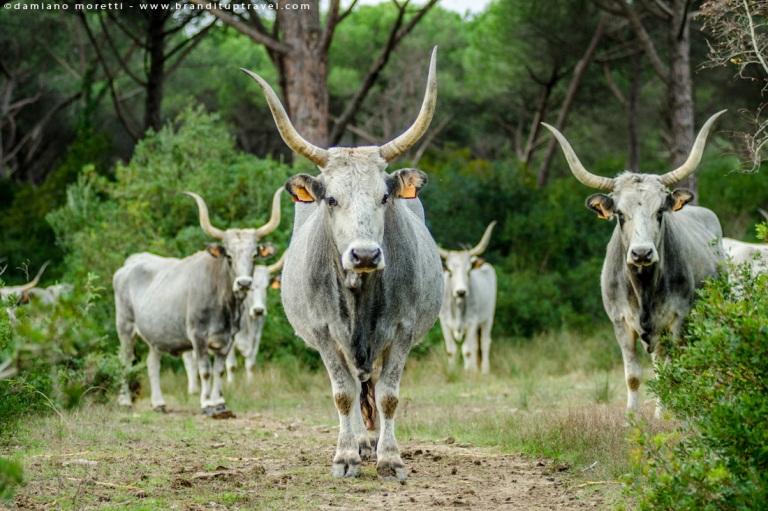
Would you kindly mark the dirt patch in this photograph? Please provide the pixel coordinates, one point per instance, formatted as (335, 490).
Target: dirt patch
(257, 460)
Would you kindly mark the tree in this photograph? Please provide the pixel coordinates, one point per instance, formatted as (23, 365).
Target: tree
(151, 32)
(298, 45)
(676, 73)
(739, 29)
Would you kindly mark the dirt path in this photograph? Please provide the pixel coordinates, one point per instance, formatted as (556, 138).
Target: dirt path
(102, 458)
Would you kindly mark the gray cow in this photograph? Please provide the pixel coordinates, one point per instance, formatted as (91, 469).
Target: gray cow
(469, 303)
(659, 254)
(194, 303)
(753, 254)
(361, 281)
(248, 338)
(21, 292)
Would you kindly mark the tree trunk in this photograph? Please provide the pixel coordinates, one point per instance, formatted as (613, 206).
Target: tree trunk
(304, 72)
(680, 90)
(156, 76)
(570, 96)
(633, 145)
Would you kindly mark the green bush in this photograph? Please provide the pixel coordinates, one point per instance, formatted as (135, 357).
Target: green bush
(142, 209)
(717, 386)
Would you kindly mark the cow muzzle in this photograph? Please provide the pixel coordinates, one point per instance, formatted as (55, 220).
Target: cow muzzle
(460, 293)
(363, 257)
(257, 312)
(242, 284)
(642, 255)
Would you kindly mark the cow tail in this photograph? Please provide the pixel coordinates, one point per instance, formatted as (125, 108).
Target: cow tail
(368, 404)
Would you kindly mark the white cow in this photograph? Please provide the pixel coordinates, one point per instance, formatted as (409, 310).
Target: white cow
(753, 254)
(469, 303)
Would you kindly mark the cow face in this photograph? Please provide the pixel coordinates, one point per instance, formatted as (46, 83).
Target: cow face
(457, 266)
(640, 203)
(239, 248)
(355, 193)
(258, 298)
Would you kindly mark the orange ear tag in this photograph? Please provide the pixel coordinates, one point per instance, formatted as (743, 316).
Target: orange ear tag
(408, 191)
(302, 195)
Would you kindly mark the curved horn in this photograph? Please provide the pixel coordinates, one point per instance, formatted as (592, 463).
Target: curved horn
(32, 283)
(405, 141)
(272, 268)
(694, 158)
(274, 220)
(764, 213)
(578, 170)
(205, 221)
(443, 252)
(483, 244)
(291, 137)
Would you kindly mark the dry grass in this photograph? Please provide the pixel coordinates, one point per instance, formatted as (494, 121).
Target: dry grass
(557, 397)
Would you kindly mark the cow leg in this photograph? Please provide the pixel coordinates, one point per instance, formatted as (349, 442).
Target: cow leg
(250, 360)
(190, 367)
(365, 446)
(219, 363)
(470, 347)
(204, 370)
(153, 369)
(231, 364)
(346, 395)
(127, 342)
(388, 461)
(450, 345)
(485, 348)
(627, 339)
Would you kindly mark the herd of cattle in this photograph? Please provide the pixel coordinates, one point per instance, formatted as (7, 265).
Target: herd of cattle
(363, 281)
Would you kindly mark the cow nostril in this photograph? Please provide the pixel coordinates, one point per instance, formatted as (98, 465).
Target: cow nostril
(641, 254)
(244, 283)
(365, 257)
(461, 292)
(257, 311)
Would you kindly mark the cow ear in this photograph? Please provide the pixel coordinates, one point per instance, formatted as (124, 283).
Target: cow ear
(266, 250)
(216, 250)
(679, 198)
(601, 204)
(275, 282)
(406, 183)
(305, 188)
(477, 262)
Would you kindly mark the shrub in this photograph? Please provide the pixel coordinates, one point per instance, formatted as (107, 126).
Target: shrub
(717, 386)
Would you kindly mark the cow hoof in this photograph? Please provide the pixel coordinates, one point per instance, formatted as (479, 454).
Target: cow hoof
(221, 412)
(346, 468)
(391, 469)
(160, 409)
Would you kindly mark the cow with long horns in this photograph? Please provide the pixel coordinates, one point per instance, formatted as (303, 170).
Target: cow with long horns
(21, 292)
(660, 252)
(361, 281)
(469, 303)
(194, 303)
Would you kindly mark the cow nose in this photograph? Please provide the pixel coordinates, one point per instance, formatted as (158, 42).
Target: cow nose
(244, 282)
(461, 293)
(365, 257)
(641, 254)
(257, 311)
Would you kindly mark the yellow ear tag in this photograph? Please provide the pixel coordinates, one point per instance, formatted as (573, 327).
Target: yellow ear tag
(302, 195)
(408, 191)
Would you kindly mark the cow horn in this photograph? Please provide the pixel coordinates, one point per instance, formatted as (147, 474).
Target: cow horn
(689, 166)
(407, 139)
(764, 213)
(272, 268)
(483, 244)
(291, 137)
(274, 220)
(443, 252)
(205, 221)
(578, 170)
(32, 283)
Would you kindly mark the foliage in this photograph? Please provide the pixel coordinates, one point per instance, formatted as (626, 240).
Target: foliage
(142, 210)
(11, 475)
(715, 384)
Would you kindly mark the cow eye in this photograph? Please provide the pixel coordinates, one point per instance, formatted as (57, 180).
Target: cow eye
(620, 216)
(385, 198)
(332, 201)
(659, 215)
